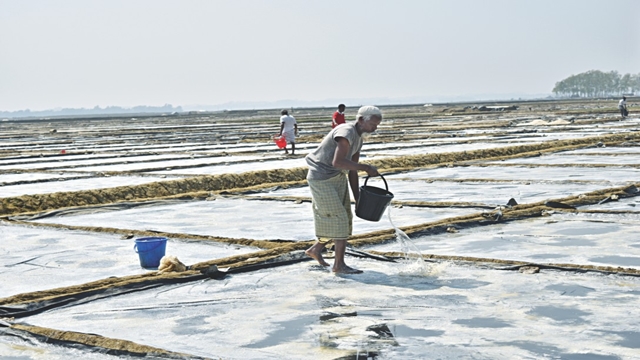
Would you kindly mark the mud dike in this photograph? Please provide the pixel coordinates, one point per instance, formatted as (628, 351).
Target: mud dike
(492, 201)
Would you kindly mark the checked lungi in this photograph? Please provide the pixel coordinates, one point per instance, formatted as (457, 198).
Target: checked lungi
(332, 214)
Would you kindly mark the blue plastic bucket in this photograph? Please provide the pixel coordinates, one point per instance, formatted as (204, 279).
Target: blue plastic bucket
(150, 250)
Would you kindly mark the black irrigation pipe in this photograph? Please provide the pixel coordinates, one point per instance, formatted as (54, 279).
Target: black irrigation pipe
(267, 265)
(366, 255)
(568, 269)
(390, 258)
(417, 204)
(37, 307)
(33, 337)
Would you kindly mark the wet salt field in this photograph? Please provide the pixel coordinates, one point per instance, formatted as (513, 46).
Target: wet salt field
(484, 192)
(468, 297)
(66, 258)
(594, 239)
(238, 218)
(83, 183)
(392, 311)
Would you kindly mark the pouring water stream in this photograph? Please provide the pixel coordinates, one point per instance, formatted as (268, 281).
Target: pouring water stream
(418, 265)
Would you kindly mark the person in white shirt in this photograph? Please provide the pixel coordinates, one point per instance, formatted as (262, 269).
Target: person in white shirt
(288, 130)
(333, 169)
(622, 106)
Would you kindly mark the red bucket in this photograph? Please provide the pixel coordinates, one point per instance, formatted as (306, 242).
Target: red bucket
(281, 142)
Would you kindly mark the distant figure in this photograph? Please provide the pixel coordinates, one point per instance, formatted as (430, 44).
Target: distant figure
(338, 116)
(622, 106)
(289, 130)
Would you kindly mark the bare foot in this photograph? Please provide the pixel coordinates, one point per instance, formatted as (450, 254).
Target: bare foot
(315, 252)
(346, 270)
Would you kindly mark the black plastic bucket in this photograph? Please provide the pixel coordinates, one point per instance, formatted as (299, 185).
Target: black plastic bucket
(373, 201)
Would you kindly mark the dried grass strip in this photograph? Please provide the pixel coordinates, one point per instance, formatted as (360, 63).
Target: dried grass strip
(102, 344)
(43, 202)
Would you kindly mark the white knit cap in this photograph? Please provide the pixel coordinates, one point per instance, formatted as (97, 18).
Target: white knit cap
(368, 111)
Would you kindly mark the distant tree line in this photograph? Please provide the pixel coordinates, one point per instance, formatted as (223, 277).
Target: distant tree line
(109, 110)
(595, 83)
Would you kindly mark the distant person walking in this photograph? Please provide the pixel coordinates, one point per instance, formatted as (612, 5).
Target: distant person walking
(336, 156)
(288, 130)
(338, 116)
(622, 106)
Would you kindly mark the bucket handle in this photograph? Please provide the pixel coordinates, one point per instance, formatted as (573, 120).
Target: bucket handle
(135, 247)
(385, 182)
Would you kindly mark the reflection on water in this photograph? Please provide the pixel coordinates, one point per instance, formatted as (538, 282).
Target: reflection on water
(287, 331)
(401, 331)
(630, 339)
(571, 289)
(560, 313)
(479, 322)
(546, 351)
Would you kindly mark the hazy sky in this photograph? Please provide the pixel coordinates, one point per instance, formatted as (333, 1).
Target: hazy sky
(83, 53)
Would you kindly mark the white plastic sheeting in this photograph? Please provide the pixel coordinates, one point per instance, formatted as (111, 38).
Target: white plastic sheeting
(89, 183)
(444, 310)
(238, 218)
(613, 176)
(487, 193)
(448, 312)
(581, 239)
(34, 259)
